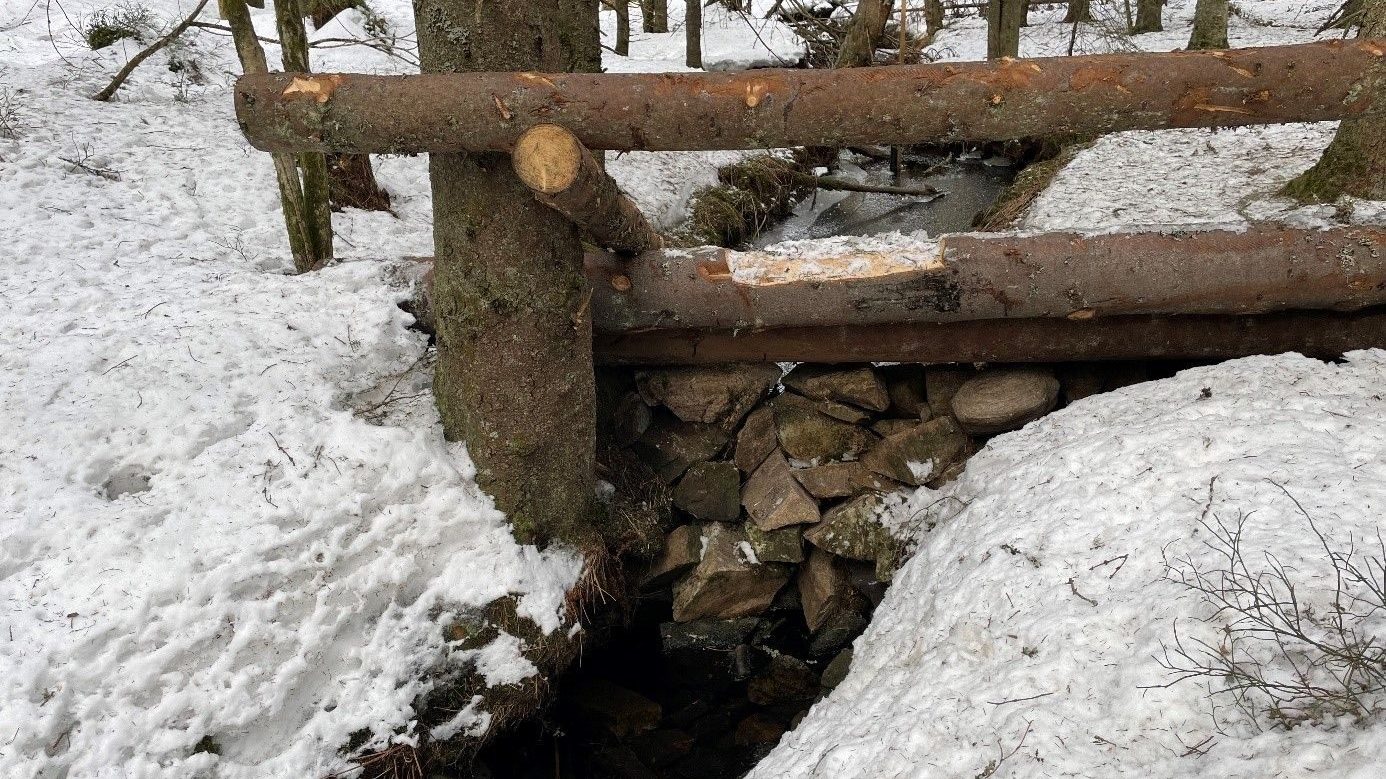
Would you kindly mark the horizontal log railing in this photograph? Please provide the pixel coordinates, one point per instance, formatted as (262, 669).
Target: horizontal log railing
(1075, 276)
(896, 105)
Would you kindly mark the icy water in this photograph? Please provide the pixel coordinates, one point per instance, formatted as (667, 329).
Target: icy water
(969, 187)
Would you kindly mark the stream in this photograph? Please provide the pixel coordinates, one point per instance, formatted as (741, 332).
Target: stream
(970, 185)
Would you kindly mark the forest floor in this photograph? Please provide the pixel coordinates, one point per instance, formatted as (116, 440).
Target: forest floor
(230, 527)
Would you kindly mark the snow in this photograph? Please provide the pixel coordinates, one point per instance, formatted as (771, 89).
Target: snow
(1030, 618)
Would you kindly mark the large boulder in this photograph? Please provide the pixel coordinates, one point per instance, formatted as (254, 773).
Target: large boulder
(728, 582)
(810, 436)
(841, 480)
(774, 498)
(757, 439)
(717, 394)
(941, 383)
(854, 530)
(710, 491)
(858, 386)
(683, 548)
(671, 446)
(918, 454)
(825, 589)
(996, 401)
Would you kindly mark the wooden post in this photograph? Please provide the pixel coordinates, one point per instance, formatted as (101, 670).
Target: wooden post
(775, 108)
(566, 177)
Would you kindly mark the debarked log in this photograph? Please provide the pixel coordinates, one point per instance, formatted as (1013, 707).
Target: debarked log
(1324, 334)
(895, 105)
(1075, 276)
(566, 177)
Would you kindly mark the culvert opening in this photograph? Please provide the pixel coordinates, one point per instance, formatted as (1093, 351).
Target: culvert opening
(770, 556)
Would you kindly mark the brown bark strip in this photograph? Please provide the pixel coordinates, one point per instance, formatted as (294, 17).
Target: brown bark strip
(567, 178)
(1313, 333)
(899, 105)
(998, 276)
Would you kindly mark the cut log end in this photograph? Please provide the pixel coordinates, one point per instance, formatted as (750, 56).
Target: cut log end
(548, 158)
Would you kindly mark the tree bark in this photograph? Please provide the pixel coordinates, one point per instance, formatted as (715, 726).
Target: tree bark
(933, 18)
(1355, 162)
(1148, 16)
(655, 14)
(864, 34)
(1078, 11)
(317, 206)
(352, 184)
(942, 102)
(514, 378)
(1210, 25)
(622, 28)
(304, 243)
(1321, 334)
(997, 276)
(693, 27)
(1004, 20)
(567, 178)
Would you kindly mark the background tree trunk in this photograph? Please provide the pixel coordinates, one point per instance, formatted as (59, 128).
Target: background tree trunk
(655, 14)
(1210, 25)
(317, 208)
(622, 28)
(1004, 20)
(693, 25)
(304, 243)
(1355, 162)
(514, 378)
(933, 17)
(864, 34)
(1079, 11)
(1148, 16)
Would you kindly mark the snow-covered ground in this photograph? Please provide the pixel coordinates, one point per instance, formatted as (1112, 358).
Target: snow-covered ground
(228, 517)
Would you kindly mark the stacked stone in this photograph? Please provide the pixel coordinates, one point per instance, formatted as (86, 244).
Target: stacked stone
(778, 552)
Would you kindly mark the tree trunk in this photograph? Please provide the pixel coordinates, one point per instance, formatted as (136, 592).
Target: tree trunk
(303, 242)
(514, 378)
(933, 18)
(693, 26)
(655, 14)
(1078, 11)
(317, 206)
(1004, 20)
(1148, 16)
(1210, 25)
(352, 183)
(964, 277)
(759, 109)
(1351, 14)
(864, 34)
(566, 177)
(1355, 162)
(622, 28)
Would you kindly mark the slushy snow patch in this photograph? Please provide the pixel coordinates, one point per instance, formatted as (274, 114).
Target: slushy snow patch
(1029, 620)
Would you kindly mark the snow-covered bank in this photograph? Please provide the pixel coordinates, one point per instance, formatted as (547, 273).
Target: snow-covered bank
(1029, 621)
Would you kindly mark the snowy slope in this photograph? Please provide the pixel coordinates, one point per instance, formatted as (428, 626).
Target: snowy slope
(1029, 619)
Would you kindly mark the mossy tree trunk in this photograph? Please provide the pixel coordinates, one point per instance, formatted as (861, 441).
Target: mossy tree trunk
(293, 39)
(1355, 162)
(514, 378)
(1148, 16)
(1004, 20)
(1210, 25)
(310, 234)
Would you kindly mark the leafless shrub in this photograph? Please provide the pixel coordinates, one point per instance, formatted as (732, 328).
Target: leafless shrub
(10, 122)
(1285, 659)
(81, 162)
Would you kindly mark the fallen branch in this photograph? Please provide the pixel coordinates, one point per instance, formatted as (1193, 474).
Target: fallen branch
(154, 48)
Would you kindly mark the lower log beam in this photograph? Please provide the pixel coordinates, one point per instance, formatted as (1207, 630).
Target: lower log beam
(1322, 334)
